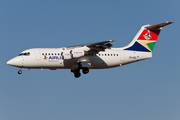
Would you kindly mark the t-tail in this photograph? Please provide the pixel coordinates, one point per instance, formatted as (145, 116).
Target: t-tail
(146, 38)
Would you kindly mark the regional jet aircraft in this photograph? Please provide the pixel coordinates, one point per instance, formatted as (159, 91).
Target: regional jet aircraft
(98, 55)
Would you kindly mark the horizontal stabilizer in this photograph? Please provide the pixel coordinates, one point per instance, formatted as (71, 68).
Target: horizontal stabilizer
(158, 26)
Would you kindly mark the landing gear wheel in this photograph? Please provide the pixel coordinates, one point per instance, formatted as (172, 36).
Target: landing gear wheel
(76, 71)
(76, 75)
(19, 72)
(85, 70)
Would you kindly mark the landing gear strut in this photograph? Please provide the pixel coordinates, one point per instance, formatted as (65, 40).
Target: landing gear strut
(19, 72)
(77, 73)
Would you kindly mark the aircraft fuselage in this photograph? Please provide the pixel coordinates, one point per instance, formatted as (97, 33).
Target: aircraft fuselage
(51, 58)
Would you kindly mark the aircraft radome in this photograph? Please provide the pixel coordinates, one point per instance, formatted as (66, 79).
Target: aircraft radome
(98, 55)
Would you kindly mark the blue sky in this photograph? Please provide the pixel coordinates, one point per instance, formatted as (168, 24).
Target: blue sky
(146, 90)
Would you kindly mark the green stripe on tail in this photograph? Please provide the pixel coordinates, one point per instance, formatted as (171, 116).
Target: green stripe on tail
(151, 45)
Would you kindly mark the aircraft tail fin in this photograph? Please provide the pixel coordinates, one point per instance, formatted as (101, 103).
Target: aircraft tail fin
(146, 38)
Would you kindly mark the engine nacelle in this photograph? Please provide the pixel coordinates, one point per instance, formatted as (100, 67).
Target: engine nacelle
(70, 54)
(66, 55)
(77, 53)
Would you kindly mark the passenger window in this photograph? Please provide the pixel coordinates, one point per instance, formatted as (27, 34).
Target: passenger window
(42, 53)
(49, 54)
(55, 53)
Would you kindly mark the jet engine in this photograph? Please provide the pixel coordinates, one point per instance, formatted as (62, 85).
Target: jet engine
(66, 55)
(77, 53)
(70, 54)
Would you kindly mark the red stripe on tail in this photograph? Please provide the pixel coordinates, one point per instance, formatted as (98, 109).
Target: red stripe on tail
(149, 35)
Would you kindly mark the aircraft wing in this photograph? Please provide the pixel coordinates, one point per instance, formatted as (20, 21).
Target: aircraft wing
(99, 46)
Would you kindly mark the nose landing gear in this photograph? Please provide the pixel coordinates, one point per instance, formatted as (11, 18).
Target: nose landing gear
(20, 71)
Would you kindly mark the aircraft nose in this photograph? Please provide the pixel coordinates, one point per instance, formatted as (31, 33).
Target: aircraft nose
(17, 62)
(10, 62)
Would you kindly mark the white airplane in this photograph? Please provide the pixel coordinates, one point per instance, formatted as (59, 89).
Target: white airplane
(98, 55)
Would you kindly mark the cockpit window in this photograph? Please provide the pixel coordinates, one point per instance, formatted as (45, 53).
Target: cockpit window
(25, 54)
(20, 54)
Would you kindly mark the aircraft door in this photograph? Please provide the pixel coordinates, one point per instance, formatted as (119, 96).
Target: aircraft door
(37, 55)
(22, 60)
(122, 56)
(61, 61)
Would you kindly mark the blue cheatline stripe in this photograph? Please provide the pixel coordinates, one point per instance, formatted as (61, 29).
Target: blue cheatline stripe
(138, 47)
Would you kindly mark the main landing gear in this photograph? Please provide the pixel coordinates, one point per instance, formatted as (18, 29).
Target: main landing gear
(77, 73)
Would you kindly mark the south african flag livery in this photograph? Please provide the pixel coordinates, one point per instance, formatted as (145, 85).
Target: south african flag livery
(145, 41)
(148, 38)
